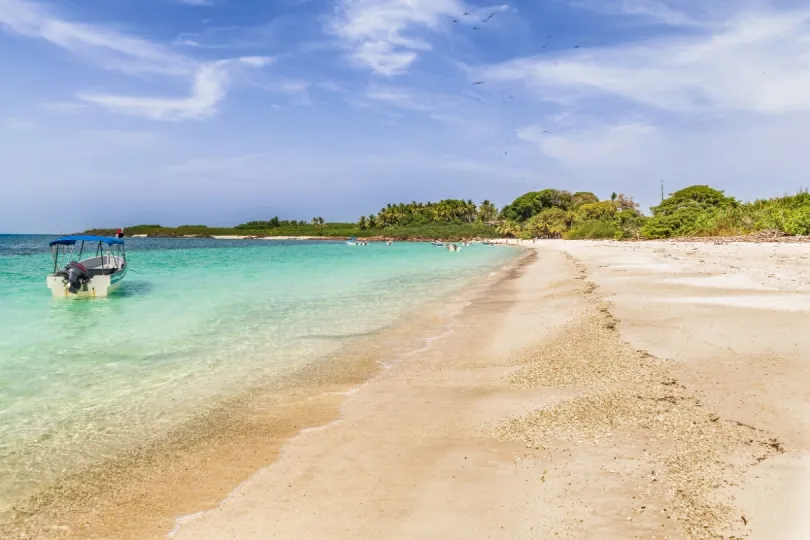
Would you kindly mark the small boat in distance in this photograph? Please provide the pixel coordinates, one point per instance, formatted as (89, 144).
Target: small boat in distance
(94, 276)
(437, 244)
(352, 241)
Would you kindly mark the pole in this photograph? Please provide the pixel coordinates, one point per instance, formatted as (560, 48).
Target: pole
(662, 191)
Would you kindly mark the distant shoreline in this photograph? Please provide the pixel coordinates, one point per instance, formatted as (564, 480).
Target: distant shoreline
(308, 238)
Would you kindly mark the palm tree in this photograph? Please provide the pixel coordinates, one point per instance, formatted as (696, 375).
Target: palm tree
(509, 229)
(372, 221)
(487, 211)
(362, 222)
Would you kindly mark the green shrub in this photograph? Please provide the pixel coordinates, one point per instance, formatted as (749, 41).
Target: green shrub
(550, 223)
(596, 230)
(702, 197)
(604, 210)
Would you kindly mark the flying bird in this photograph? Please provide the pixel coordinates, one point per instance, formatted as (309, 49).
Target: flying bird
(577, 47)
(475, 28)
(544, 46)
(465, 13)
(455, 20)
(489, 17)
(478, 82)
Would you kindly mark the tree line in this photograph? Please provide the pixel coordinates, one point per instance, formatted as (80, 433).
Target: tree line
(416, 213)
(548, 213)
(697, 210)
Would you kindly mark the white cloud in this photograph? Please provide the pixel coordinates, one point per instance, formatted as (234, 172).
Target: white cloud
(758, 62)
(655, 11)
(105, 47)
(588, 148)
(209, 87)
(116, 50)
(381, 34)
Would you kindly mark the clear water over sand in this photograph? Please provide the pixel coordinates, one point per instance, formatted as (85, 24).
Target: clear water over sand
(195, 322)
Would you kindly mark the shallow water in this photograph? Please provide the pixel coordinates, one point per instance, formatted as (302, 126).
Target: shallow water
(195, 322)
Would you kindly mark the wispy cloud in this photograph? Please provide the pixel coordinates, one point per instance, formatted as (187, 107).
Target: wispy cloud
(588, 148)
(116, 50)
(757, 62)
(209, 87)
(384, 35)
(654, 11)
(105, 47)
(233, 36)
(196, 2)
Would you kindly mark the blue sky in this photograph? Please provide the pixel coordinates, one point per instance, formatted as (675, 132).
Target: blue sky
(117, 112)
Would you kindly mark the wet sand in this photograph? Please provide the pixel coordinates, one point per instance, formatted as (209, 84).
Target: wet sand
(138, 495)
(602, 390)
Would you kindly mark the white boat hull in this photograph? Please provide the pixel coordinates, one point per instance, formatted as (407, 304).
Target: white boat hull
(98, 286)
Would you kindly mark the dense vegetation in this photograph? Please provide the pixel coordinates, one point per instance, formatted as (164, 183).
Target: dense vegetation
(554, 213)
(703, 211)
(447, 211)
(550, 213)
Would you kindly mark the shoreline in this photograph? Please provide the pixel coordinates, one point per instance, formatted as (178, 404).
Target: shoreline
(590, 390)
(139, 494)
(566, 403)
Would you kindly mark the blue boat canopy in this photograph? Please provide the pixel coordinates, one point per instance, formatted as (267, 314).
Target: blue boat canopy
(71, 240)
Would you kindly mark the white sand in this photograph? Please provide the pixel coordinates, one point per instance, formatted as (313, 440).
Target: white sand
(414, 456)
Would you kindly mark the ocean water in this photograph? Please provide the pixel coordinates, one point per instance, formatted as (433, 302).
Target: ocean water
(194, 321)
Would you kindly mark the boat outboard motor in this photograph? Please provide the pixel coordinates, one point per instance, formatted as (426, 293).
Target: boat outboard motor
(75, 275)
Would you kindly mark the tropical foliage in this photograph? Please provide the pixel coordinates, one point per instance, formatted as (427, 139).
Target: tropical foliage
(555, 213)
(549, 213)
(445, 211)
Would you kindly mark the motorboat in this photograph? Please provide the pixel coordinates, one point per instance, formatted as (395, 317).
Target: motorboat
(352, 241)
(437, 244)
(94, 276)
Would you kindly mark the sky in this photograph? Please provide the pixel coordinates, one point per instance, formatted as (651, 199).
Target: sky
(217, 112)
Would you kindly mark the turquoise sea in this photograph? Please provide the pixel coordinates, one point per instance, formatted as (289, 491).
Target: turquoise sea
(195, 320)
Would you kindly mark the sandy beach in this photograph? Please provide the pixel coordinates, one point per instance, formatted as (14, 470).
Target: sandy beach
(588, 390)
(600, 390)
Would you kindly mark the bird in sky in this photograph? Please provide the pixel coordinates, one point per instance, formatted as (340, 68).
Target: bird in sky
(478, 82)
(475, 28)
(465, 13)
(489, 17)
(577, 47)
(455, 20)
